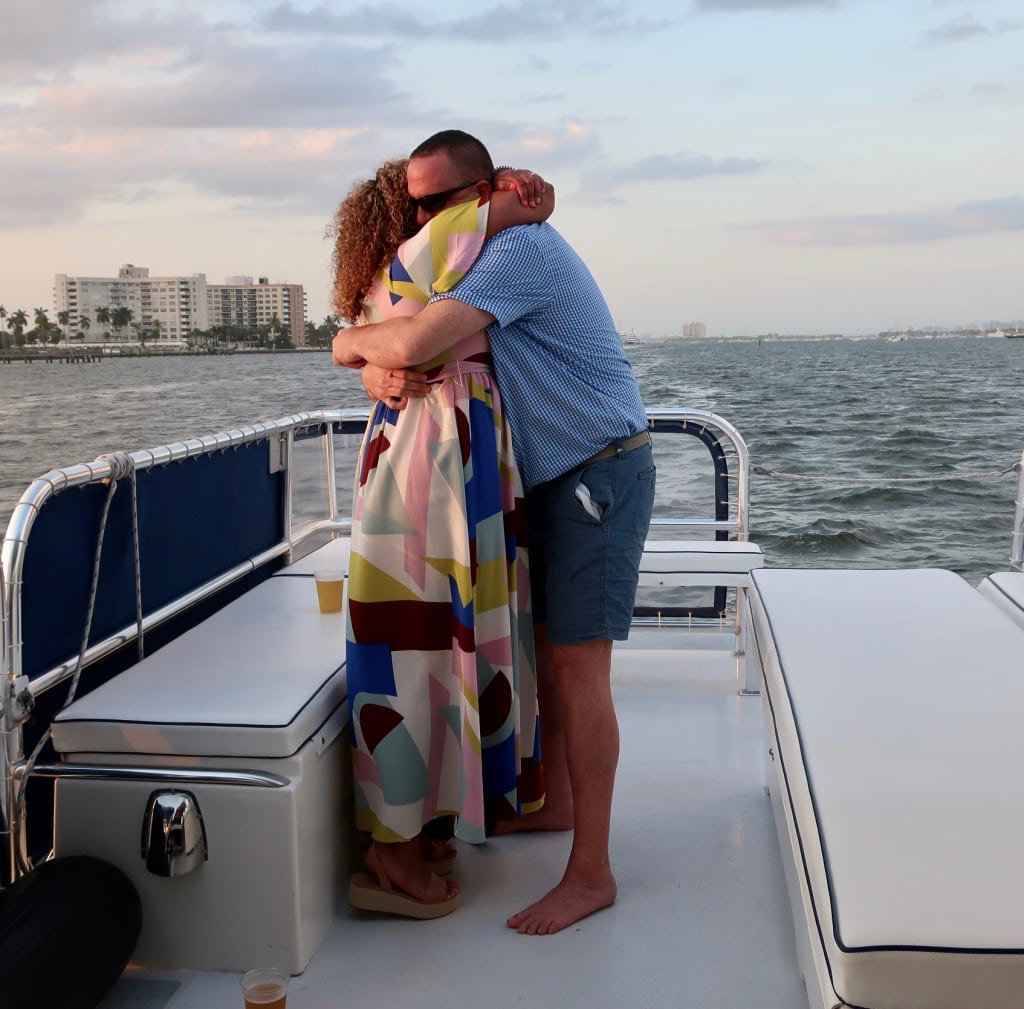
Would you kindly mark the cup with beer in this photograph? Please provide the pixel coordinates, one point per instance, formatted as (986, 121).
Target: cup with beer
(328, 589)
(265, 988)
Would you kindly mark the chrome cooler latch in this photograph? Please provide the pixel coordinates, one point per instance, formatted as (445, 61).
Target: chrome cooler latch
(173, 834)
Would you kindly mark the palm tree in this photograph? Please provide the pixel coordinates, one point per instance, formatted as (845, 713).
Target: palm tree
(121, 317)
(43, 324)
(3, 338)
(62, 318)
(103, 318)
(16, 323)
(83, 325)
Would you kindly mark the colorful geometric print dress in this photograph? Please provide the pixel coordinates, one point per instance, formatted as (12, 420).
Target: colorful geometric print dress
(441, 671)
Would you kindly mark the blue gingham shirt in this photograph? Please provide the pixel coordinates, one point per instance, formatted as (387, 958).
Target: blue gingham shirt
(565, 381)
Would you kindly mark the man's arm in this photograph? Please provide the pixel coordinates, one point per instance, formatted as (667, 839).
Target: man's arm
(408, 340)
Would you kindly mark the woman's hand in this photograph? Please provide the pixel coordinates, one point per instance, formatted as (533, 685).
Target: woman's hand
(394, 386)
(529, 185)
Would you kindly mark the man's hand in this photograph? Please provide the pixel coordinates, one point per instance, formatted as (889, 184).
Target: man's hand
(394, 386)
(342, 351)
(529, 185)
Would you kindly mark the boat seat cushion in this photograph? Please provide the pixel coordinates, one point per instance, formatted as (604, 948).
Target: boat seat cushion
(256, 679)
(1006, 590)
(699, 562)
(895, 700)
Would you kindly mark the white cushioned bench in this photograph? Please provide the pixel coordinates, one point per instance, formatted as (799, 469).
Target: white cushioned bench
(1006, 590)
(708, 563)
(893, 705)
(699, 562)
(258, 688)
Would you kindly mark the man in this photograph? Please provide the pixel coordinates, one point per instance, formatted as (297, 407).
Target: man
(580, 439)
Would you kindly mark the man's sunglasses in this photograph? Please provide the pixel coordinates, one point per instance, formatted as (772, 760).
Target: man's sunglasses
(433, 202)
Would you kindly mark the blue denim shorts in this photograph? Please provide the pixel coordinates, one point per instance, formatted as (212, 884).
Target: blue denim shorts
(586, 536)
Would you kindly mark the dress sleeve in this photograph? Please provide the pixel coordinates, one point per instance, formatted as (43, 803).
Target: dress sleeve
(434, 260)
(437, 257)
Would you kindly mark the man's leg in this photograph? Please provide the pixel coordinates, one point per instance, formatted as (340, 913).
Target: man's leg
(587, 584)
(582, 674)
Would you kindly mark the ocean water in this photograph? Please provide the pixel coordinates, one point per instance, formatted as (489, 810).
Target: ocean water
(879, 416)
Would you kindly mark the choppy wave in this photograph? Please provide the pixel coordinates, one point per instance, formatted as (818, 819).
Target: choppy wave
(879, 413)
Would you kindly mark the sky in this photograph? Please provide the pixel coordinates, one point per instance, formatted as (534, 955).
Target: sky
(761, 166)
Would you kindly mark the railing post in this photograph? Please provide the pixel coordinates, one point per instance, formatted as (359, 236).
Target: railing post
(6, 734)
(1017, 543)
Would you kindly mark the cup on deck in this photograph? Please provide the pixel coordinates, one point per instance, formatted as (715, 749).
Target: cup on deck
(328, 589)
(265, 988)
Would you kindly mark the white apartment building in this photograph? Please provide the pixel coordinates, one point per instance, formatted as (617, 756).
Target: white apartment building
(168, 308)
(694, 330)
(240, 302)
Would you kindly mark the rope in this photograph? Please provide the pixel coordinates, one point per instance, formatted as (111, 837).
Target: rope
(121, 465)
(777, 474)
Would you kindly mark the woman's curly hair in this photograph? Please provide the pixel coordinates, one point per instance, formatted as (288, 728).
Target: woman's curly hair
(369, 225)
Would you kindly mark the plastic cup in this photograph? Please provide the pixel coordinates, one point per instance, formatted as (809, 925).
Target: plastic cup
(265, 988)
(328, 590)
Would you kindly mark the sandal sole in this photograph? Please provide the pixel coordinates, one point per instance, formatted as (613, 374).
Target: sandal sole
(366, 894)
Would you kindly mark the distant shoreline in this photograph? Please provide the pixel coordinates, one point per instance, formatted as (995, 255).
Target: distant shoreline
(94, 353)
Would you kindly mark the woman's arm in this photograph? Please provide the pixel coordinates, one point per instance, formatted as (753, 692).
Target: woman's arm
(394, 386)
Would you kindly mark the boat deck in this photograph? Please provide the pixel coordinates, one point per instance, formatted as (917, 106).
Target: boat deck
(702, 917)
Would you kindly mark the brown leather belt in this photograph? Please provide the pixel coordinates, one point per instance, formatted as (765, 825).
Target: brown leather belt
(620, 448)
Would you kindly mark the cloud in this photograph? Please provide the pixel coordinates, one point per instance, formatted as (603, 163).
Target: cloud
(56, 39)
(548, 20)
(989, 89)
(966, 28)
(102, 115)
(662, 167)
(980, 217)
(959, 30)
(53, 179)
(56, 183)
(243, 87)
(601, 185)
(749, 5)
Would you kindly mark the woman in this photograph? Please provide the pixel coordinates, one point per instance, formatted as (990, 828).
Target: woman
(440, 648)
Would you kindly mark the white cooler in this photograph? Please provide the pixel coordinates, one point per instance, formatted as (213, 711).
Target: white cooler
(235, 735)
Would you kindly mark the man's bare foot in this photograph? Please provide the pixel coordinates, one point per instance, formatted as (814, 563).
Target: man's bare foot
(566, 904)
(546, 818)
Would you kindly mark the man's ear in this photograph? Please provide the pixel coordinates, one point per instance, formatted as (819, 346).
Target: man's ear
(483, 190)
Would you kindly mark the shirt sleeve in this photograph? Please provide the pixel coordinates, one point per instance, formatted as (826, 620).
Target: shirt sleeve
(511, 278)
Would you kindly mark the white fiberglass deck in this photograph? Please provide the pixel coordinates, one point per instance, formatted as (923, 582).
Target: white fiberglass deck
(702, 920)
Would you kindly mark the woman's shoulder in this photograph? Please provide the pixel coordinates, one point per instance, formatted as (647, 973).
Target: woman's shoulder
(464, 218)
(444, 248)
